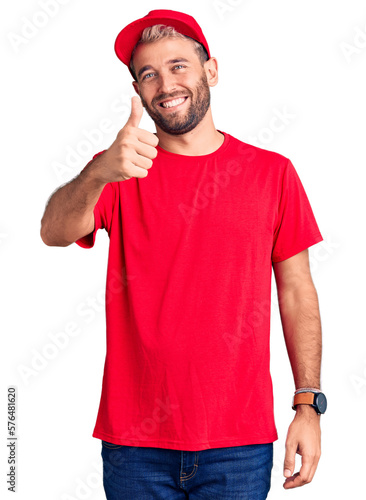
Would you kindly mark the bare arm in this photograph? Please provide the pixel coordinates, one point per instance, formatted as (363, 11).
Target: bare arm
(69, 214)
(300, 316)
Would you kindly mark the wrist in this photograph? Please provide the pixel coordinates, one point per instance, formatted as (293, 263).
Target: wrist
(308, 389)
(94, 174)
(306, 410)
(313, 399)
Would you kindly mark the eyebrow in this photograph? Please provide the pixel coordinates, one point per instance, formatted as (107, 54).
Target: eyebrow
(172, 61)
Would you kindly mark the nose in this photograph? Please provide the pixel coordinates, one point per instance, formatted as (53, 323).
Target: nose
(167, 83)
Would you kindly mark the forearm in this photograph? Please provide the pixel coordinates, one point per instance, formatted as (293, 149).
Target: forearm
(300, 316)
(69, 213)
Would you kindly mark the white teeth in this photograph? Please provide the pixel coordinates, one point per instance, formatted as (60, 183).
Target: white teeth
(170, 104)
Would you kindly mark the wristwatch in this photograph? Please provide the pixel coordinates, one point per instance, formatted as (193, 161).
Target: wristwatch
(316, 399)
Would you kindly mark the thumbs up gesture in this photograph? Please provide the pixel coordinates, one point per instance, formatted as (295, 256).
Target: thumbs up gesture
(132, 152)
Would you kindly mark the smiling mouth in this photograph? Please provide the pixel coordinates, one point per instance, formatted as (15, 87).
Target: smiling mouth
(173, 103)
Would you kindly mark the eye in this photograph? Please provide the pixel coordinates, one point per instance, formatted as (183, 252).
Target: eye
(147, 75)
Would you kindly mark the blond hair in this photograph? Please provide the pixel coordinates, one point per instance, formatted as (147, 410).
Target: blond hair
(159, 31)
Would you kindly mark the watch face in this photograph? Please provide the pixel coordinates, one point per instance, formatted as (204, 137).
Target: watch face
(321, 402)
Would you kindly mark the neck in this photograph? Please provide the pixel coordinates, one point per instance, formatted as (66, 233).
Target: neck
(202, 140)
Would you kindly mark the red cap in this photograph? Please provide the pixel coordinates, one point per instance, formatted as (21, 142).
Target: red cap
(130, 35)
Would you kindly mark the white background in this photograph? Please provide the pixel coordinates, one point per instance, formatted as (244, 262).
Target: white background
(306, 59)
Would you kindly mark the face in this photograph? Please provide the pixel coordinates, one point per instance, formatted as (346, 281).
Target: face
(172, 84)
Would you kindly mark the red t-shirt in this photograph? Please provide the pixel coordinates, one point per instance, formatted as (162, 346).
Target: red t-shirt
(188, 296)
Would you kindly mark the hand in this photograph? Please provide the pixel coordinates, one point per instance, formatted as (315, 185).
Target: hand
(132, 152)
(303, 437)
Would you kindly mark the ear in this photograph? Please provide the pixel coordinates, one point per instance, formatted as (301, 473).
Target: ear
(211, 69)
(136, 87)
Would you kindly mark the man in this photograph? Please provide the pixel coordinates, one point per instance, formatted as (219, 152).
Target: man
(196, 220)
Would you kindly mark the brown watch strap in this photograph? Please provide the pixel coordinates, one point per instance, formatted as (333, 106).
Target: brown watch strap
(304, 398)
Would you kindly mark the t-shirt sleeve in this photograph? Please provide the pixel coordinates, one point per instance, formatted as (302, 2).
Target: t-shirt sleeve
(102, 213)
(296, 228)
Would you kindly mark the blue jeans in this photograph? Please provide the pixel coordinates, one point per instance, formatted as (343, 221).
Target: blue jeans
(238, 472)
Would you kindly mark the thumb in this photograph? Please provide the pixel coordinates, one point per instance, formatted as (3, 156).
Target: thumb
(136, 111)
(289, 462)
